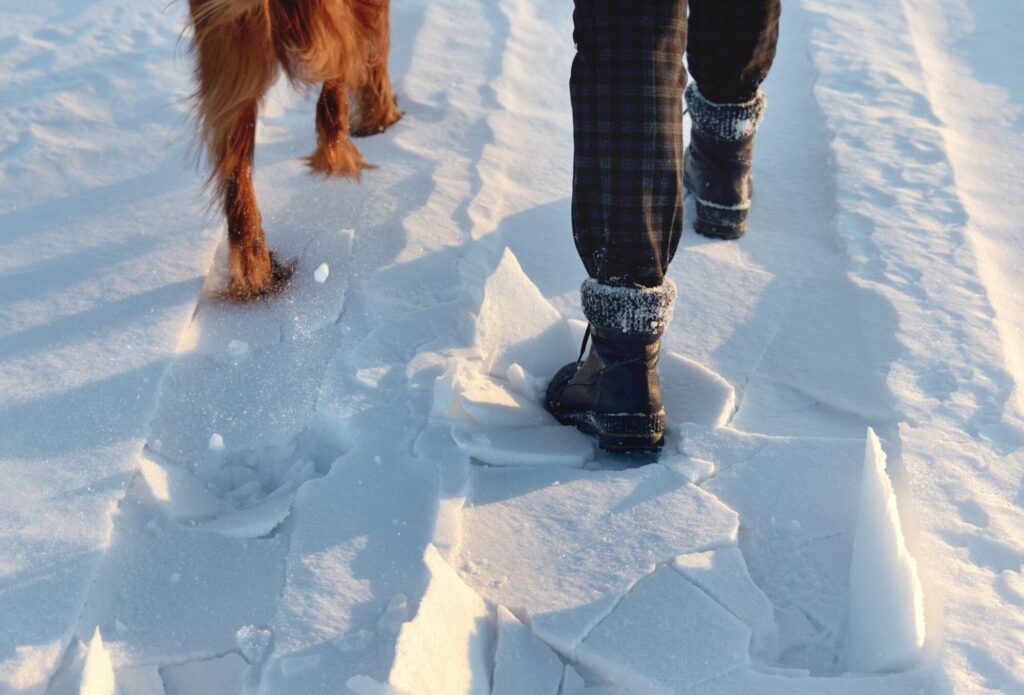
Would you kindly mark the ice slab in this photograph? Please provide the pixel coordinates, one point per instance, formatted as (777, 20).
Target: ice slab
(561, 545)
(447, 648)
(723, 575)
(517, 325)
(666, 635)
(694, 393)
(221, 676)
(797, 500)
(523, 665)
(140, 680)
(886, 628)
(525, 446)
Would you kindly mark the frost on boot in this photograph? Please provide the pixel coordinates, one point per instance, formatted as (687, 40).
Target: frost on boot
(718, 162)
(615, 393)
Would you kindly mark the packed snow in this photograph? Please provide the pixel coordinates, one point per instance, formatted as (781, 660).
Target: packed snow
(354, 486)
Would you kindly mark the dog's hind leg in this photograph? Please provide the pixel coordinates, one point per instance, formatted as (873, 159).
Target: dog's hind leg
(376, 106)
(235, 65)
(254, 270)
(335, 154)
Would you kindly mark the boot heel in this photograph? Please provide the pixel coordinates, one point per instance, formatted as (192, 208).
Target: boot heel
(624, 444)
(718, 223)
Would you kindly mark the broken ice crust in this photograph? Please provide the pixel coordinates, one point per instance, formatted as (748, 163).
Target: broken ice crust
(886, 627)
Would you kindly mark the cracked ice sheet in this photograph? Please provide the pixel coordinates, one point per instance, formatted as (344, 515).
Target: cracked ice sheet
(796, 499)
(181, 593)
(561, 546)
(523, 665)
(665, 636)
(358, 541)
(723, 575)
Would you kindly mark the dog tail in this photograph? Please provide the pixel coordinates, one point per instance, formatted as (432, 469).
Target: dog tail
(212, 13)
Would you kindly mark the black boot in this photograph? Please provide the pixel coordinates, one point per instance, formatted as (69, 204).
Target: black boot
(718, 161)
(615, 393)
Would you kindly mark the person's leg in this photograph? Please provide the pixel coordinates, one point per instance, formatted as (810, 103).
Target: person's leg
(731, 48)
(626, 87)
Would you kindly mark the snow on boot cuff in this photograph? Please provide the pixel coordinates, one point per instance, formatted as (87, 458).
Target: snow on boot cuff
(727, 122)
(634, 311)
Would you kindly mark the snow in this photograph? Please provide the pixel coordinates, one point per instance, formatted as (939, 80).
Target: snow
(523, 665)
(98, 674)
(886, 628)
(723, 575)
(561, 546)
(322, 272)
(665, 636)
(218, 676)
(447, 647)
(246, 493)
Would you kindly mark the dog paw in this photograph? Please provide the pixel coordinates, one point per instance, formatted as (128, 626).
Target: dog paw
(259, 279)
(377, 123)
(339, 159)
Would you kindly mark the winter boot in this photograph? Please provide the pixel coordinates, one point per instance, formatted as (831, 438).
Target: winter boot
(718, 161)
(615, 393)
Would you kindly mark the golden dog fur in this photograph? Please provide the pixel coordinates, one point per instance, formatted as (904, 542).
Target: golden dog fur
(239, 47)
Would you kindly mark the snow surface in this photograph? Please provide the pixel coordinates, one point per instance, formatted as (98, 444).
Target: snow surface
(251, 496)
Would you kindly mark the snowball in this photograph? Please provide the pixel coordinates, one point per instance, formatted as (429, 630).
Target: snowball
(886, 626)
(322, 273)
(216, 442)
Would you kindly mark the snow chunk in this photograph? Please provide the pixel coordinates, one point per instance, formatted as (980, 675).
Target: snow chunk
(694, 393)
(517, 325)
(253, 642)
(665, 636)
(220, 676)
(464, 393)
(886, 626)
(98, 674)
(322, 272)
(523, 665)
(723, 575)
(525, 446)
(238, 349)
(395, 614)
(180, 495)
(446, 649)
(576, 540)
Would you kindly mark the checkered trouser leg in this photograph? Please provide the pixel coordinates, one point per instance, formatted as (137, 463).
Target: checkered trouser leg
(731, 46)
(626, 87)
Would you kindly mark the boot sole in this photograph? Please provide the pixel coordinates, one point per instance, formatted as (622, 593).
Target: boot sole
(621, 434)
(721, 229)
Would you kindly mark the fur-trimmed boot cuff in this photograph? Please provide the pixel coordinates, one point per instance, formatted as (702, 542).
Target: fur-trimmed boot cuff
(633, 311)
(725, 122)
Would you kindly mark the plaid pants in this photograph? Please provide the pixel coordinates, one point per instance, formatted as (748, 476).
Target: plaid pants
(626, 88)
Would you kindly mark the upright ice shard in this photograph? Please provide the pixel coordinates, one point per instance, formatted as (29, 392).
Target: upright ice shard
(886, 627)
